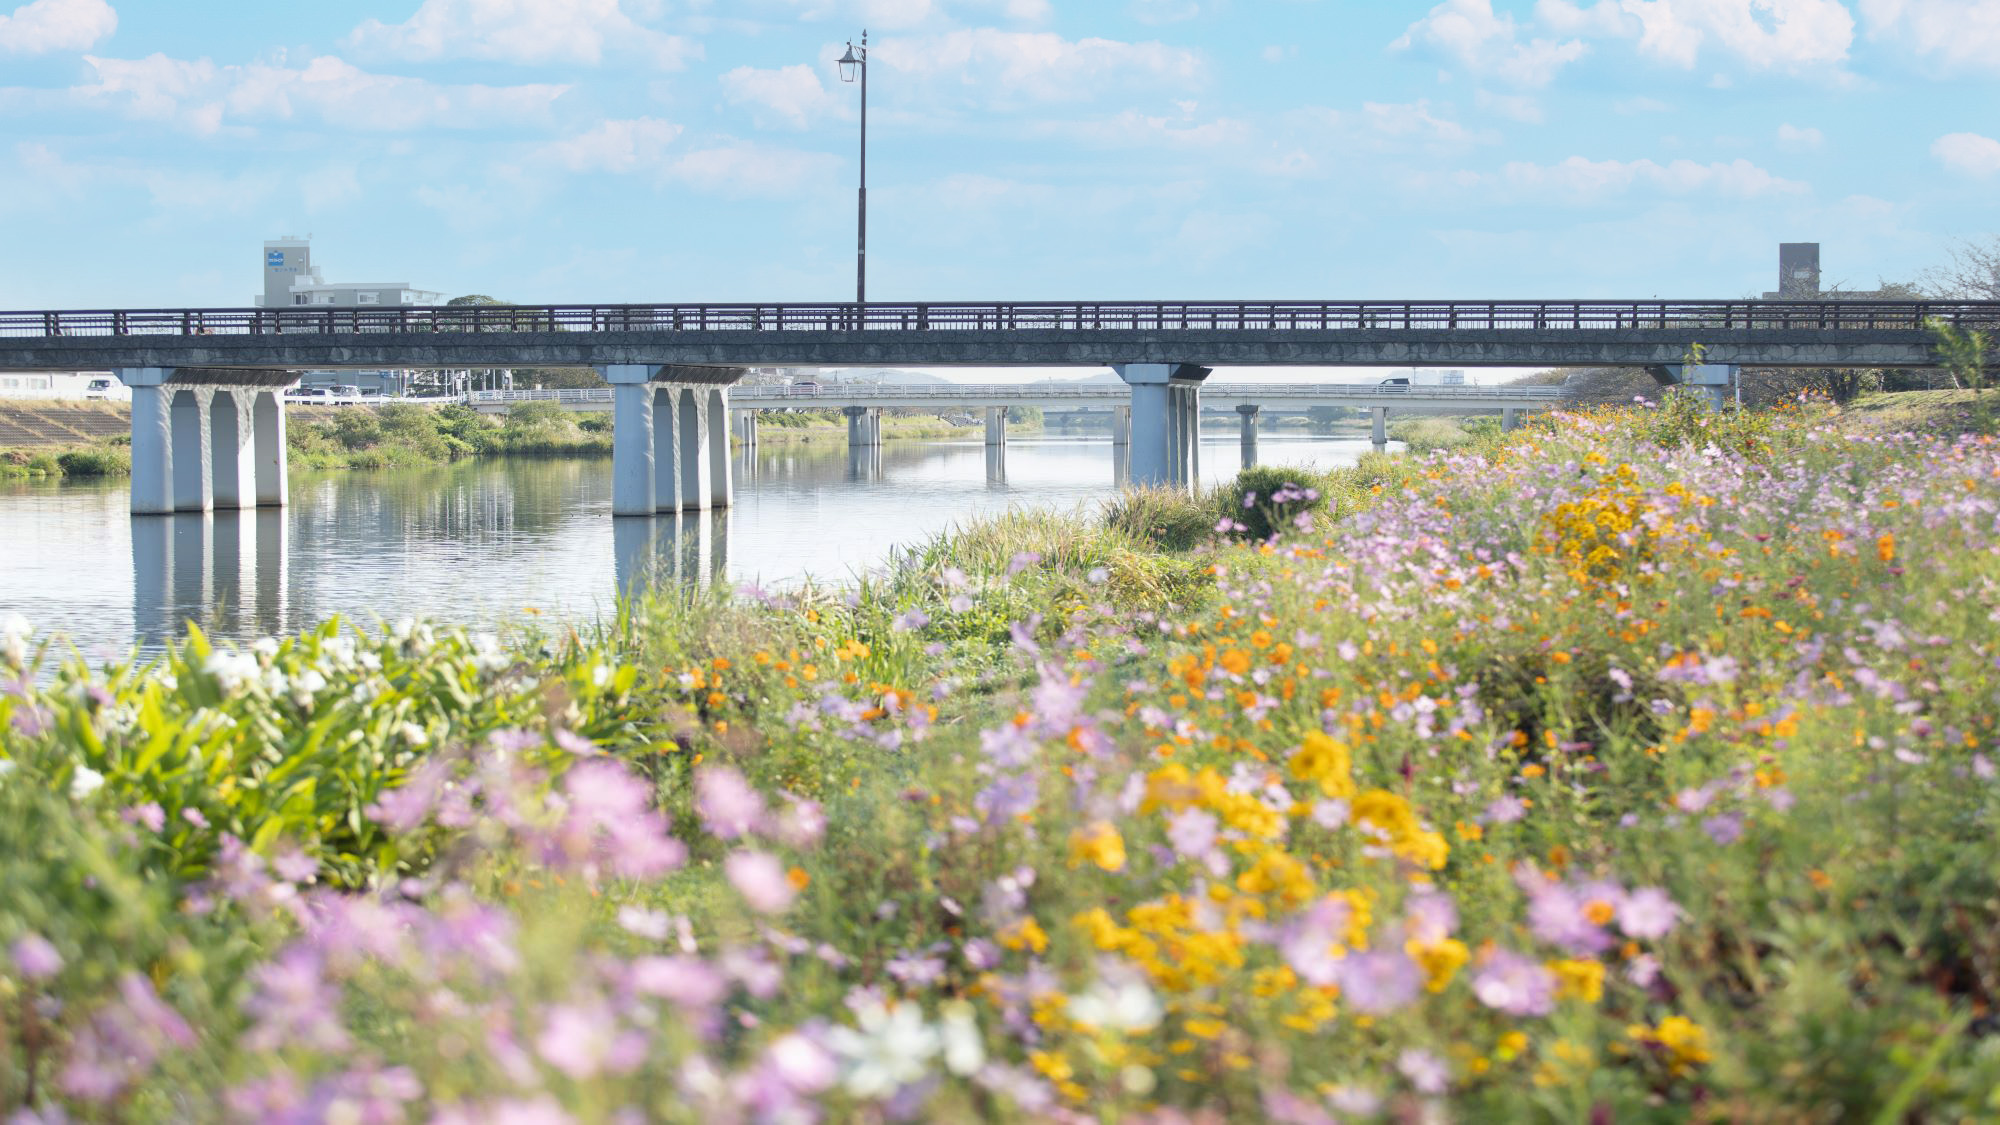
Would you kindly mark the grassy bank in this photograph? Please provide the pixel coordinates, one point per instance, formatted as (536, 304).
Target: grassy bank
(400, 435)
(97, 459)
(1637, 766)
(821, 426)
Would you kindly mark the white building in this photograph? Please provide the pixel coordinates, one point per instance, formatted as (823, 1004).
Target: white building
(291, 279)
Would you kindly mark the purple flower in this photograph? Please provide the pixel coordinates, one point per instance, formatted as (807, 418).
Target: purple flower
(611, 820)
(1558, 915)
(149, 814)
(1505, 810)
(760, 879)
(729, 807)
(688, 982)
(35, 958)
(1426, 1072)
(1379, 981)
(1724, 828)
(1192, 833)
(1429, 917)
(1021, 562)
(916, 972)
(1516, 985)
(1647, 913)
(584, 1042)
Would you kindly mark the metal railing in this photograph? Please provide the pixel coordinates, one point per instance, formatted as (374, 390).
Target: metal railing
(974, 393)
(1693, 318)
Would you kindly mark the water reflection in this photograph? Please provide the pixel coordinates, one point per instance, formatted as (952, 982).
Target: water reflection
(224, 571)
(494, 541)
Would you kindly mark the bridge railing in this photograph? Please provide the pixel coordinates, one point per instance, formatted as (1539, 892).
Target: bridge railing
(1691, 318)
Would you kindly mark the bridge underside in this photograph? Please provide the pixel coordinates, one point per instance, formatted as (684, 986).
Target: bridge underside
(1419, 347)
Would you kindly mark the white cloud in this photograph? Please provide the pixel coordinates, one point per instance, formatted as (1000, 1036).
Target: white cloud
(1038, 66)
(1132, 129)
(748, 169)
(520, 31)
(1519, 107)
(791, 95)
(616, 146)
(1485, 43)
(1767, 34)
(1641, 104)
(56, 25)
(1971, 153)
(1413, 119)
(1793, 138)
(199, 95)
(1586, 179)
(1962, 32)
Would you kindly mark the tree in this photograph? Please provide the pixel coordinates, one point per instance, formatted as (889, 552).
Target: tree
(1972, 275)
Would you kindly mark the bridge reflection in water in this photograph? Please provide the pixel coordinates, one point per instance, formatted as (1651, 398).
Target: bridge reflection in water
(225, 570)
(690, 549)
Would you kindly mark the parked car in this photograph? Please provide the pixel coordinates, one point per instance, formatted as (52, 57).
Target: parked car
(100, 388)
(803, 387)
(1396, 381)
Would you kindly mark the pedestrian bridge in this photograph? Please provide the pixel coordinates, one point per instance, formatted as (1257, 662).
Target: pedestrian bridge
(202, 379)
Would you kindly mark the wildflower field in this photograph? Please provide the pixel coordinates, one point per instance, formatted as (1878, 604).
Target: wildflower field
(1636, 766)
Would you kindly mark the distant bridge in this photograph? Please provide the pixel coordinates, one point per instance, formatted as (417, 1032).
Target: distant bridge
(208, 425)
(1224, 396)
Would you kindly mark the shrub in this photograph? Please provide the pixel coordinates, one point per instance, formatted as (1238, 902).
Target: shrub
(97, 461)
(1267, 498)
(1168, 518)
(355, 427)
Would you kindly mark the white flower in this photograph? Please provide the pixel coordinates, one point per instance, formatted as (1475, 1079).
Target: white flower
(84, 782)
(890, 1049)
(964, 1049)
(233, 671)
(266, 647)
(339, 650)
(14, 631)
(645, 923)
(305, 685)
(487, 654)
(1126, 1005)
(599, 675)
(414, 735)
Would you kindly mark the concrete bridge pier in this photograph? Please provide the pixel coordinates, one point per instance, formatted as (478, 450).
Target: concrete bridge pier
(206, 438)
(1380, 434)
(1510, 419)
(669, 438)
(996, 427)
(1709, 380)
(1249, 413)
(1166, 413)
(746, 428)
(1121, 445)
(864, 426)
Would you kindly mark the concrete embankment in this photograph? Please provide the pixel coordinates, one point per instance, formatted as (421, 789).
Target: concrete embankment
(32, 424)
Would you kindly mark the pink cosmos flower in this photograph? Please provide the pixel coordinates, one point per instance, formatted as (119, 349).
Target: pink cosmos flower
(1647, 913)
(35, 958)
(1516, 985)
(729, 807)
(760, 879)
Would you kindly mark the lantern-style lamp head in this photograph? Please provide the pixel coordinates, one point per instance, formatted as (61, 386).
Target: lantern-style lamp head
(848, 63)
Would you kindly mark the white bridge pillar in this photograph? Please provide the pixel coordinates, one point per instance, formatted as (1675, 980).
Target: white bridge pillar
(669, 442)
(864, 426)
(1165, 420)
(1710, 380)
(1249, 440)
(199, 444)
(1380, 430)
(1510, 418)
(632, 473)
(996, 426)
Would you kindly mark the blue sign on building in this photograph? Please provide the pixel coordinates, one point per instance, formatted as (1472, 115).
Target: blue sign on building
(274, 259)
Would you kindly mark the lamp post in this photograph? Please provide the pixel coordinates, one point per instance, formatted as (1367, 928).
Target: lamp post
(856, 59)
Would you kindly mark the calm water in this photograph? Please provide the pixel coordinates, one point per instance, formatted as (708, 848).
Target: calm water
(484, 542)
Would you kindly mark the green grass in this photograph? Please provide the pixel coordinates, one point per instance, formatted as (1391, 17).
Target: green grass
(101, 459)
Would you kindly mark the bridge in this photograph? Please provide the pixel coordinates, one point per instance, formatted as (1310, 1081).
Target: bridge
(208, 426)
(864, 402)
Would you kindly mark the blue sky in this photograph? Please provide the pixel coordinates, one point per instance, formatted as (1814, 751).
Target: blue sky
(682, 150)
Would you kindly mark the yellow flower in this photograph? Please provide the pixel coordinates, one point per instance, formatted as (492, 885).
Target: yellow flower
(1582, 978)
(1440, 960)
(1099, 844)
(1684, 1041)
(1326, 761)
(1027, 934)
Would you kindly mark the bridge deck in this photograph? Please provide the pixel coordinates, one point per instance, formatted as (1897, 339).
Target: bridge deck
(1268, 333)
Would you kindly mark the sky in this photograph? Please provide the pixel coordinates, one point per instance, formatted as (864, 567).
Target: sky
(571, 151)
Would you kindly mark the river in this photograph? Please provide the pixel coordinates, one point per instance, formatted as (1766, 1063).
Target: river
(489, 541)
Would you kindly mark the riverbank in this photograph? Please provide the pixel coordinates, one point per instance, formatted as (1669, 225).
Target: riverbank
(1628, 767)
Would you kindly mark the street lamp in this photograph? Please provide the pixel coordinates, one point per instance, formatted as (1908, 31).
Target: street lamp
(856, 59)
